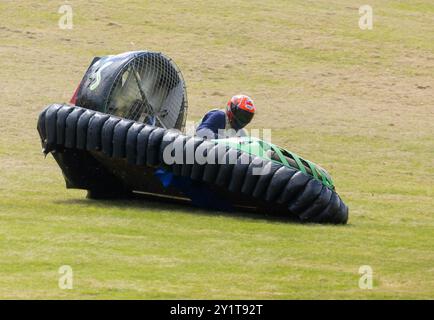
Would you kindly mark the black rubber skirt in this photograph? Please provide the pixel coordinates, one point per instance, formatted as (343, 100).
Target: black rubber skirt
(109, 155)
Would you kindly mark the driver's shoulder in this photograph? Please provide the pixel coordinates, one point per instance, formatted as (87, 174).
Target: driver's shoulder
(215, 115)
(215, 112)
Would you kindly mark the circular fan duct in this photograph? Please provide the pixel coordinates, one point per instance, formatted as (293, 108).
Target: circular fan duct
(143, 86)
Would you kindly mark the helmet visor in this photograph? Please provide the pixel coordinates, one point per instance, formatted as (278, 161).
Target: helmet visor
(242, 118)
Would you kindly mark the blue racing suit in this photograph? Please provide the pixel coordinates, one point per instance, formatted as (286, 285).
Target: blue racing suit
(215, 125)
(212, 122)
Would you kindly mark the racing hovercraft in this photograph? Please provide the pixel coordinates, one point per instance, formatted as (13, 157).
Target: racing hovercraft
(121, 135)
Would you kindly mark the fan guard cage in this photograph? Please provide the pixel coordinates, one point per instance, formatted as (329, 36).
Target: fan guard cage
(150, 88)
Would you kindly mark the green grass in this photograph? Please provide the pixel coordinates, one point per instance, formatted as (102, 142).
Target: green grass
(359, 103)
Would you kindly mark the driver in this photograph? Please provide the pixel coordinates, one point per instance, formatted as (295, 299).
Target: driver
(228, 122)
(215, 124)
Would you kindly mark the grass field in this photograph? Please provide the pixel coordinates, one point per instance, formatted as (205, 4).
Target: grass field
(358, 102)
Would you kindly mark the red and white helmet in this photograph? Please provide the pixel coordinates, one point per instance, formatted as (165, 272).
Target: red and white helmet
(240, 111)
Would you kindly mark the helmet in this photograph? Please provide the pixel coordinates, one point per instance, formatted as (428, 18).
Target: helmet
(240, 111)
